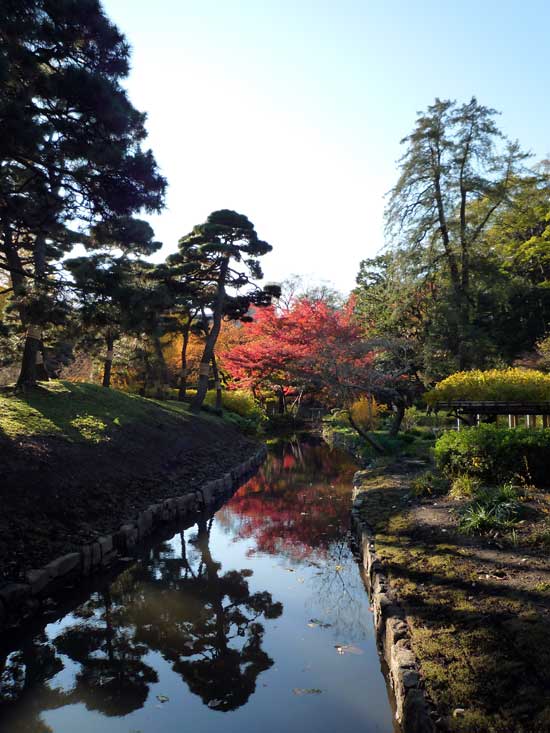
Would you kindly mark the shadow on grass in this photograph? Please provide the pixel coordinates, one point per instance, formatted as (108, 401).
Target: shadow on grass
(82, 412)
(482, 643)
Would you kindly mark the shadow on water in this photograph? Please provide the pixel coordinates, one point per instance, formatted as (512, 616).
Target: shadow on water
(189, 612)
(191, 619)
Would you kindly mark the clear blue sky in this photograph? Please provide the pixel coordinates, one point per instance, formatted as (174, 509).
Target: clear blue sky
(291, 112)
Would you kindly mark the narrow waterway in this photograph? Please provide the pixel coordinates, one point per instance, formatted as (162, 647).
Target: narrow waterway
(255, 619)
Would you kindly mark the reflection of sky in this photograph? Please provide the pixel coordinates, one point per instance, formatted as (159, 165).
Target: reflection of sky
(317, 584)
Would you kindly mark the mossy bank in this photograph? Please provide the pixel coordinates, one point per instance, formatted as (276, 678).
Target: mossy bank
(78, 460)
(474, 611)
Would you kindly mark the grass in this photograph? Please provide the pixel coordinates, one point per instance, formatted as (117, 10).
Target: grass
(491, 508)
(481, 644)
(80, 412)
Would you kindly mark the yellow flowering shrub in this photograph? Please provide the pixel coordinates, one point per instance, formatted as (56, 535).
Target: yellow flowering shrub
(511, 385)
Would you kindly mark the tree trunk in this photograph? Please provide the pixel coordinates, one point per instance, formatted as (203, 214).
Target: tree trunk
(281, 401)
(110, 341)
(27, 374)
(15, 269)
(217, 384)
(41, 369)
(398, 419)
(182, 394)
(212, 337)
(161, 370)
(370, 440)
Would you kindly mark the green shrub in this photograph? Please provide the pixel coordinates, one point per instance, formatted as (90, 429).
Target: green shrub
(429, 484)
(494, 454)
(492, 509)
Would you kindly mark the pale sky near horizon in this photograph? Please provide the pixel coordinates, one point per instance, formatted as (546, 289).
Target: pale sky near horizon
(292, 112)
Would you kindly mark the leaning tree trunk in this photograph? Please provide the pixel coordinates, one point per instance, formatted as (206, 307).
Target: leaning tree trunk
(370, 440)
(217, 384)
(108, 364)
(182, 394)
(212, 337)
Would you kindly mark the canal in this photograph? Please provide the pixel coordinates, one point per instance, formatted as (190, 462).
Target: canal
(255, 619)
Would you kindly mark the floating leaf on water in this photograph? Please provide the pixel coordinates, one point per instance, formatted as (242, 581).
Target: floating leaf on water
(306, 691)
(338, 568)
(290, 570)
(214, 703)
(314, 622)
(347, 649)
(162, 698)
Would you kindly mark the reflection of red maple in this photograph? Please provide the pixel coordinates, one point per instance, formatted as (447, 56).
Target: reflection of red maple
(296, 513)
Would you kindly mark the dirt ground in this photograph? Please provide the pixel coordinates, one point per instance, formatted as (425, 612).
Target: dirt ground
(478, 607)
(56, 495)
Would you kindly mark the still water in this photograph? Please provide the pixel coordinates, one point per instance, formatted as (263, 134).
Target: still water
(255, 619)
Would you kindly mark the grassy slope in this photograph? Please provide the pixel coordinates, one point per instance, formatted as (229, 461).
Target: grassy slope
(82, 413)
(78, 460)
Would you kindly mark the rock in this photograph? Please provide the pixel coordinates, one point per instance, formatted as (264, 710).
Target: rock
(130, 534)
(38, 579)
(86, 559)
(106, 544)
(410, 678)
(14, 595)
(63, 565)
(96, 554)
(145, 523)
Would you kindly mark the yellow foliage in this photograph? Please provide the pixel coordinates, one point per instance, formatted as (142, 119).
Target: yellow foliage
(239, 401)
(366, 412)
(514, 384)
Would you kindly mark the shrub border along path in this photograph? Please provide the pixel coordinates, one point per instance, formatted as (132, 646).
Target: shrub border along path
(21, 601)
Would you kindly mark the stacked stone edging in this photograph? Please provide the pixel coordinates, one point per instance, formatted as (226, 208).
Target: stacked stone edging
(392, 631)
(21, 600)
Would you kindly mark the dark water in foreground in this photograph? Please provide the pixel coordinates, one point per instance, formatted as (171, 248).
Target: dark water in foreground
(254, 620)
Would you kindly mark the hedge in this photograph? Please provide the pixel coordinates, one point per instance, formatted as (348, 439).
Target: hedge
(510, 385)
(495, 454)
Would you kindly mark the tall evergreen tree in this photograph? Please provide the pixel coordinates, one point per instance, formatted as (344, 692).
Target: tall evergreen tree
(458, 171)
(71, 144)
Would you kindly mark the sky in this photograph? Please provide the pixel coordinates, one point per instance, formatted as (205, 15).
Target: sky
(291, 111)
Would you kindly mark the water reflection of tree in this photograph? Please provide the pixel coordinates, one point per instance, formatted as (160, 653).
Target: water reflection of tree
(297, 505)
(113, 677)
(208, 627)
(24, 686)
(206, 623)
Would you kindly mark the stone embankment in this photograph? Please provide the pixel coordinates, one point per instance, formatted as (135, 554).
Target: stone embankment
(21, 601)
(392, 632)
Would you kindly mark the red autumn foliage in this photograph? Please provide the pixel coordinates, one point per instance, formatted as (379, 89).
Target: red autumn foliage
(310, 345)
